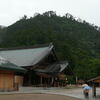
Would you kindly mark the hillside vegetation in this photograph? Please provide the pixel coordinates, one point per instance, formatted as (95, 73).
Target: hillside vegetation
(75, 40)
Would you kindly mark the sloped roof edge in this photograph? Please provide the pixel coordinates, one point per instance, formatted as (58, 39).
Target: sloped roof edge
(26, 47)
(7, 65)
(93, 79)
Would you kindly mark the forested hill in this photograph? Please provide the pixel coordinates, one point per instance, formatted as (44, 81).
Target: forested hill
(2, 32)
(74, 40)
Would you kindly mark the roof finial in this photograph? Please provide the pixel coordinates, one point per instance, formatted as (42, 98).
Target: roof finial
(51, 44)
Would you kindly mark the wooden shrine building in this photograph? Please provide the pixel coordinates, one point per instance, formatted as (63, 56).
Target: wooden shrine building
(41, 62)
(94, 81)
(8, 74)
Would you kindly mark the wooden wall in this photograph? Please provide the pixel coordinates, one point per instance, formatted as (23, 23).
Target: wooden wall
(6, 80)
(19, 80)
(97, 80)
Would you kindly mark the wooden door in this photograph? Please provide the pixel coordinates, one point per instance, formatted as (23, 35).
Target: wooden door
(6, 80)
(1, 81)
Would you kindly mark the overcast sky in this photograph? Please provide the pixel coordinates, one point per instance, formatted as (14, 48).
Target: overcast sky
(13, 10)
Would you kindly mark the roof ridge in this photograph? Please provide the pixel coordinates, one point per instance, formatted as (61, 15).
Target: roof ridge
(27, 47)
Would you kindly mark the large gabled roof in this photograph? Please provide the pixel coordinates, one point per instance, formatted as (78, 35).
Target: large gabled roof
(7, 65)
(27, 56)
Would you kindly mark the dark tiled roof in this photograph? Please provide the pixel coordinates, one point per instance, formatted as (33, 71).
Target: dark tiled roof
(54, 68)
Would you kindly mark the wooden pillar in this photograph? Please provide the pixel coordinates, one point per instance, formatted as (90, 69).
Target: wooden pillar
(41, 80)
(29, 78)
(52, 81)
(94, 90)
(48, 82)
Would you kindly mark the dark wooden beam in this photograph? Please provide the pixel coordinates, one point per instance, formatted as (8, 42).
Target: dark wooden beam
(94, 89)
(41, 80)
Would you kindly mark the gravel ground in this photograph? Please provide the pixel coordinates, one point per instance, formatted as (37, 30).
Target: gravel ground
(35, 97)
(29, 93)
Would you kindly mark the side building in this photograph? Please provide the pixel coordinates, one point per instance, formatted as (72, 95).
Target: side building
(8, 72)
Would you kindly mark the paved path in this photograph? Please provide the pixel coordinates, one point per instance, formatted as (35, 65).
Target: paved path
(76, 92)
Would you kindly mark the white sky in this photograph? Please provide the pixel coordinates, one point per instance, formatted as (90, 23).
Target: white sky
(13, 10)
